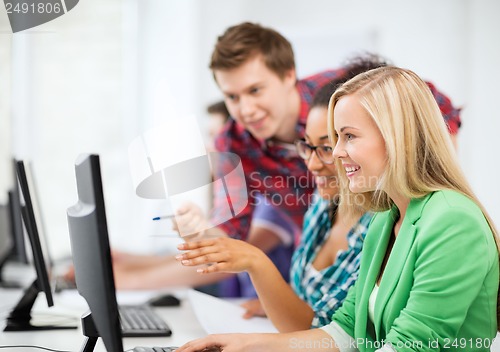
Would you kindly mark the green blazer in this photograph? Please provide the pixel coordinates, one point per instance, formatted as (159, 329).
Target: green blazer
(440, 284)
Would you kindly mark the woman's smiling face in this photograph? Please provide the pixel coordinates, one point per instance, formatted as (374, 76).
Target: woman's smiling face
(360, 145)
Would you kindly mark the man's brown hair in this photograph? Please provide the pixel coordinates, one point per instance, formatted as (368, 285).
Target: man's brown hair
(244, 41)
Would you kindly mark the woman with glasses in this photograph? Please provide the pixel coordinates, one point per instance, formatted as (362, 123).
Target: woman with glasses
(326, 262)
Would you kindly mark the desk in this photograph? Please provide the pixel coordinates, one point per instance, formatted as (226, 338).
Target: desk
(181, 320)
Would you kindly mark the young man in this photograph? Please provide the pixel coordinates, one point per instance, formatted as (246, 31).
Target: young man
(255, 70)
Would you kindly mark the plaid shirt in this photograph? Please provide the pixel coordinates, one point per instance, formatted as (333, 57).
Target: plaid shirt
(450, 113)
(325, 290)
(275, 171)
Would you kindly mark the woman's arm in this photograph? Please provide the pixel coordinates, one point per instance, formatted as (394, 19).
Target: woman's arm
(309, 340)
(285, 309)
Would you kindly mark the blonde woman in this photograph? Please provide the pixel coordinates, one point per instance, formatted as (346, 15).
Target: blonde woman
(429, 272)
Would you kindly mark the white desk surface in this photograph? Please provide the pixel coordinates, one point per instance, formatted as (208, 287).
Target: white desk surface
(181, 320)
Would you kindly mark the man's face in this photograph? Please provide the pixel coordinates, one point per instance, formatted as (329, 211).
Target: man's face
(258, 98)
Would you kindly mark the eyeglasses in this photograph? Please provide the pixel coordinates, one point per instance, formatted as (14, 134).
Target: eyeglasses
(324, 152)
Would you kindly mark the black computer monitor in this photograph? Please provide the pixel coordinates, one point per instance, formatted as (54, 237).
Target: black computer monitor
(6, 240)
(92, 257)
(12, 236)
(20, 317)
(92, 260)
(19, 252)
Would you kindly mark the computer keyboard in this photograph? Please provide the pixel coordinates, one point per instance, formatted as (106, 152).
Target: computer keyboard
(141, 321)
(154, 349)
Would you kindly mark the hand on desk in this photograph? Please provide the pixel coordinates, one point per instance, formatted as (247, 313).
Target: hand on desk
(247, 342)
(217, 343)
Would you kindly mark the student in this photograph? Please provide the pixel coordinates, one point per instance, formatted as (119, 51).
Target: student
(254, 68)
(395, 157)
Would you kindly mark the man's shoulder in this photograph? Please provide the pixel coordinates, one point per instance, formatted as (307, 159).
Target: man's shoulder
(322, 77)
(233, 137)
(309, 85)
(451, 114)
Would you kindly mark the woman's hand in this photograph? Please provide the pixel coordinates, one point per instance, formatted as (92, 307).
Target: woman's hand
(262, 342)
(223, 342)
(223, 254)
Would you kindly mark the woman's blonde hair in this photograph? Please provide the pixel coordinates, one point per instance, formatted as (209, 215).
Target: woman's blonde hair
(420, 155)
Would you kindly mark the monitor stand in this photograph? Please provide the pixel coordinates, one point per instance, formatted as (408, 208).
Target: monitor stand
(20, 317)
(90, 331)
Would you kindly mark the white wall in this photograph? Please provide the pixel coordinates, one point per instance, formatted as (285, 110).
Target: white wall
(94, 79)
(479, 141)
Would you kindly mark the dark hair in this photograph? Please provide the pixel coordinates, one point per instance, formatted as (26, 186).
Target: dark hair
(219, 108)
(353, 67)
(246, 40)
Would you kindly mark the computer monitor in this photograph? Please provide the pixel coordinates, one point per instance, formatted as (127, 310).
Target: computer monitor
(20, 317)
(6, 240)
(19, 252)
(92, 257)
(12, 236)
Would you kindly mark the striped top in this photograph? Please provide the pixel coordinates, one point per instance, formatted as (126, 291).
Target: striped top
(326, 289)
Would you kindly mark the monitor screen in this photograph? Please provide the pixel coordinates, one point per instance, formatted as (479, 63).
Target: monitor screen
(92, 256)
(40, 259)
(20, 317)
(16, 221)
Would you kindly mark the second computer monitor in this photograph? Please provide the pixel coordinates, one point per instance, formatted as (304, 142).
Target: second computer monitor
(16, 221)
(19, 318)
(92, 257)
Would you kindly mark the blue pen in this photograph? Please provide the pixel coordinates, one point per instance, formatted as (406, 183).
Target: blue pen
(163, 217)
